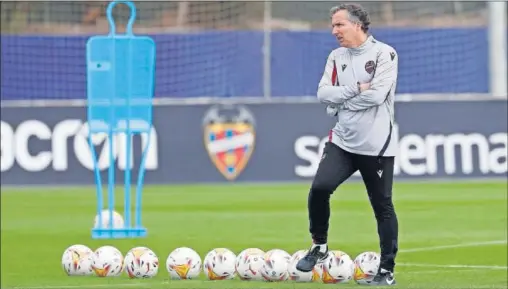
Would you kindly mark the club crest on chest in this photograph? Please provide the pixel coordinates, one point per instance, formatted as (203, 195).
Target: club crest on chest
(370, 66)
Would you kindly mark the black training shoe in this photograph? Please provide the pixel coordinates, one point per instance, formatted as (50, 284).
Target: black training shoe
(314, 256)
(383, 278)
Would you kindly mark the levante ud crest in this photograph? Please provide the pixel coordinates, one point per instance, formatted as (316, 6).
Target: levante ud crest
(229, 136)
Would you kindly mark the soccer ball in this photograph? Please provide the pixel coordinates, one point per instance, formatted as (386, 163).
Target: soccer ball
(141, 262)
(77, 260)
(366, 267)
(219, 264)
(338, 267)
(249, 263)
(107, 261)
(299, 276)
(118, 222)
(275, 265)
(183, 263)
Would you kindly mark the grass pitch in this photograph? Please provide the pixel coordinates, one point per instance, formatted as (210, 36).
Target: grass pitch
(451, 235)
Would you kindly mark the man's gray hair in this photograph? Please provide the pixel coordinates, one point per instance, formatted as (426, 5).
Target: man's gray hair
(357, 14)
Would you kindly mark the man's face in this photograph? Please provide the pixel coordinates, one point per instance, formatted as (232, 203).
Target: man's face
(343, 29)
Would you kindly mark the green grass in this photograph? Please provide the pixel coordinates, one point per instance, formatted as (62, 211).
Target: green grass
(38, 224)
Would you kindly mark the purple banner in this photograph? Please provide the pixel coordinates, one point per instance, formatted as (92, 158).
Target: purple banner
(230, 63)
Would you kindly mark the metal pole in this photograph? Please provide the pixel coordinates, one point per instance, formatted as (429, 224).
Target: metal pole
(183, 11)
(497, 49)
(267, 29)
(46, 14)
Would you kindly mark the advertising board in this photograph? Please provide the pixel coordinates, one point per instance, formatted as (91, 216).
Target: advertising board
(249, 143)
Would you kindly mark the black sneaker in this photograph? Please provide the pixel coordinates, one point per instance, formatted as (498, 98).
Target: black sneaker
(383, 278)
(314, 256)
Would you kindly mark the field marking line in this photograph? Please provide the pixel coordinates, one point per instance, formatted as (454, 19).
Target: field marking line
(436, 271)
(463, 245)
(454, 266)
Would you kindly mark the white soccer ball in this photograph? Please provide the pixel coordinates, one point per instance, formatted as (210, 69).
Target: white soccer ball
(275, 265)
(249, 263)
(141, 262)
(107, 261)
(366, 267)
(279, 251)
(299, 276)
(118, 221)
(77, 260)
(183, 263)
(338, 267)
(219, 264)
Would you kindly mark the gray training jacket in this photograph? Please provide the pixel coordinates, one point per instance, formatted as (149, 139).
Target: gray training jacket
(365, 120)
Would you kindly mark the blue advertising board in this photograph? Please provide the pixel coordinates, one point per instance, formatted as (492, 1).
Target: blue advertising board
(48, 145)
(230, 63)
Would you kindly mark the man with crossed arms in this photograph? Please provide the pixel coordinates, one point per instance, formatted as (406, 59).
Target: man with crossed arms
(358, 85)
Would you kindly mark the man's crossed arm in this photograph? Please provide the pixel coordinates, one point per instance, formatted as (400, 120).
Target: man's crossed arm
(328, 92)
(361, 96)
